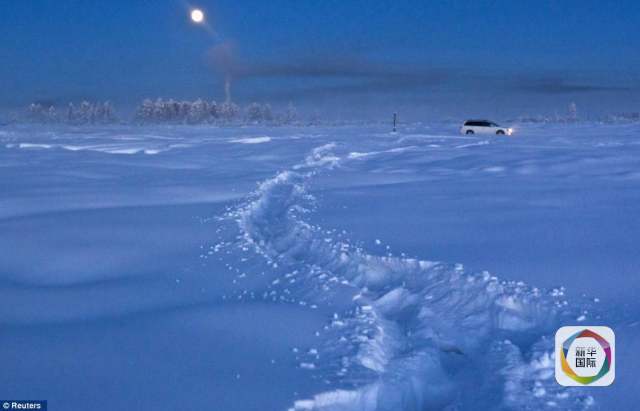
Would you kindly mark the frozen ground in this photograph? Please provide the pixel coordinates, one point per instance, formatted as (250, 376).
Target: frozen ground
(314, 268)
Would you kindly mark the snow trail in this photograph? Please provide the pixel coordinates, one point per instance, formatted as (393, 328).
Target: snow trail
(407, 334)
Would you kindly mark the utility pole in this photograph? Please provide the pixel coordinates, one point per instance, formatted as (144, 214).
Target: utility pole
(395, 120)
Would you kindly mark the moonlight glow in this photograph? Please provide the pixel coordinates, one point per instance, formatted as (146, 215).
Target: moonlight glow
(197, 16)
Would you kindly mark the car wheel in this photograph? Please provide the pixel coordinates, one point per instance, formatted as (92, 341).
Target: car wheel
(469, 132)
(500, 132)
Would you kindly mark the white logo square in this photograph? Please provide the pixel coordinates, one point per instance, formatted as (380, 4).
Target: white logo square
(585, 356)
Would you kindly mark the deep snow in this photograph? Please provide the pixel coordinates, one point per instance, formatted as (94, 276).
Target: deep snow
(314, 268)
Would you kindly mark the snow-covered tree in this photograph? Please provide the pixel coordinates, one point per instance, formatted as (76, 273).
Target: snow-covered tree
(158, 110)
(254, 112)
(108, 115)
(71, 111)
(173, 110)
(213, 111)
(52, 115)
(266, 112)
(185, 109)
(145, 111)
(314, 119)
(84, 113)
(228, 111)
(199, 112)
(573, 112)
(34, 112)
(42, 113)
(290, 114)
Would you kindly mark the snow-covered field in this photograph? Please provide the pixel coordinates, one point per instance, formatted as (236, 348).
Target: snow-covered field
(323, 268)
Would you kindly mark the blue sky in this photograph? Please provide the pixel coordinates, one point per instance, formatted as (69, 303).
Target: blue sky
(371, 54)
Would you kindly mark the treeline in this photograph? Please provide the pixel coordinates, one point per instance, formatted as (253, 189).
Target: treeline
(571, 116)
(162, 111)
(623, 117)
(83, 113)
(205, 112)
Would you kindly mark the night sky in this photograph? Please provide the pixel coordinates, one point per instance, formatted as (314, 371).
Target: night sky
(346, 57)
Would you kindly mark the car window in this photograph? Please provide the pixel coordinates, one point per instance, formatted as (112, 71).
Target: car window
(480, 124)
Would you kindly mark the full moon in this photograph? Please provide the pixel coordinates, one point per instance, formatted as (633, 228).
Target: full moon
(197, 16)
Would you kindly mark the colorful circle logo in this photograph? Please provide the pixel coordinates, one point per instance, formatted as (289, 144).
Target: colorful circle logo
(564, 354)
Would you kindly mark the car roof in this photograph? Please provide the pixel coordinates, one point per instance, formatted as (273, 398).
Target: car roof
(478, 120)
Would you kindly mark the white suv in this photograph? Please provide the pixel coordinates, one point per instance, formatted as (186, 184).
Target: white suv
(484, 127)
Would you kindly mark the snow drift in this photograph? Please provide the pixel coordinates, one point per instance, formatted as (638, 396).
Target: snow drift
(406, 334)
